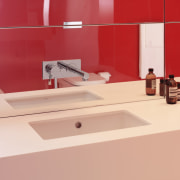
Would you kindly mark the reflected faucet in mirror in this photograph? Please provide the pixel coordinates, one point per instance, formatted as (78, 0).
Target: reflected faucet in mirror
(63, 69)
(69, 67)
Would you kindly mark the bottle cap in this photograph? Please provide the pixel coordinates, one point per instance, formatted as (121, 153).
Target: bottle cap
(171, 76)
(162, 80)
(151, 69)
(166, 81)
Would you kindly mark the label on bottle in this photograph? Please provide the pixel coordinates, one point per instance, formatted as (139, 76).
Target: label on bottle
(165, 90)
(151, 83)
(172, 92)
(178, 94)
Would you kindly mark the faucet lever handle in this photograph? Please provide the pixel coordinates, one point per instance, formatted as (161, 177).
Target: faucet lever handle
(48, 68)
(49, 80)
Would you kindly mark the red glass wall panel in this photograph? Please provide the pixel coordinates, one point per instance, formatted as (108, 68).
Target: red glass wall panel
(172, 10)
(172, 49)
(101, 48)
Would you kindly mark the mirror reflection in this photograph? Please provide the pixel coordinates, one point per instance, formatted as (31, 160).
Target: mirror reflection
(37, 13)
(52, 44)
(122, 52)
(51, 30)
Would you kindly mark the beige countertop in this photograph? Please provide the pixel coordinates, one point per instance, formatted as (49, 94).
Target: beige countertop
(17, 136)
(114, 93)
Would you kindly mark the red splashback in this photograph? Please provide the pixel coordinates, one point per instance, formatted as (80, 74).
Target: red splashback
(172, 49)
(172, 10)
(172, 37)
(54, 12)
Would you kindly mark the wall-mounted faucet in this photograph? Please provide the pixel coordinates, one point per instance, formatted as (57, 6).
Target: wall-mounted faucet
(63, 69)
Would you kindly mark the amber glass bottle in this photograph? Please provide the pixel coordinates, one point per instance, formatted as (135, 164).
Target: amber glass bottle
(178, 91)
(162, 87)
(150, 83)
(171, 90)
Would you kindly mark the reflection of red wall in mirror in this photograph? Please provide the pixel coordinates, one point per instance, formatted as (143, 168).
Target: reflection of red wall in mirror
(112, 48)
(41, 12)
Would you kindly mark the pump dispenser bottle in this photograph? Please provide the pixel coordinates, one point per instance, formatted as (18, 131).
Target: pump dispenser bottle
(150, 83)
(171, 90)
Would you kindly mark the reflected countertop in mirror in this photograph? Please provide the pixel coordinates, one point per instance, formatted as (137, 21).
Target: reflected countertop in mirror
(41, 101)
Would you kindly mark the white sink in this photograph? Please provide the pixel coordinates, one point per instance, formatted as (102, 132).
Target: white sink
(48, 100)
(63, 127)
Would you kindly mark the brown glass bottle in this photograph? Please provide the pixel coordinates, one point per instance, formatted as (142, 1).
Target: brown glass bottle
(162, 85)
(171, 90)
(178, 91)
(151, 83)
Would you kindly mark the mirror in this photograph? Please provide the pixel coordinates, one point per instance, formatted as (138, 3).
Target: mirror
(24, 49)
(107, 41)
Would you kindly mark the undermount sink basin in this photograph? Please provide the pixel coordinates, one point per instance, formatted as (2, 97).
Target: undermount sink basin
(48, 100)
(57, 128)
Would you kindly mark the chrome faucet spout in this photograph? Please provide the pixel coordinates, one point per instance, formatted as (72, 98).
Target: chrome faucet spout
(68, 67)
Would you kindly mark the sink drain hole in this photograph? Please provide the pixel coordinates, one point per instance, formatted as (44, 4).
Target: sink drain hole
(78, 124)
